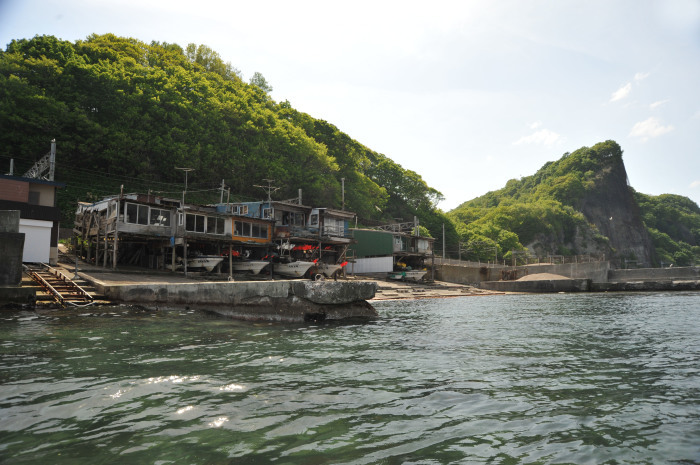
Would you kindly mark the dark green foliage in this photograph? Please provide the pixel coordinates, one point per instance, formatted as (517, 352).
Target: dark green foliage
(542, 205)
(128, 113)
(674, 224)
(547, 206)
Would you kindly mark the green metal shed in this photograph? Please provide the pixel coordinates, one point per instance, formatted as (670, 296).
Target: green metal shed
(371, 243)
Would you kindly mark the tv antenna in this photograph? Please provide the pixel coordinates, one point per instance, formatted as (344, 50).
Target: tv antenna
(269, 188)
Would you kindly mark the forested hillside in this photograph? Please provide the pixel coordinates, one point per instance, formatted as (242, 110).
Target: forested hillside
(581, 204)
(128, 113)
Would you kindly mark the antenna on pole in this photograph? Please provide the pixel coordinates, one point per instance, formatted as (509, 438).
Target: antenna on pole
(186, 170)
(269, 189)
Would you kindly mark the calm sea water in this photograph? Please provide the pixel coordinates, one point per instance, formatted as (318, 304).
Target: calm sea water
(581, 379)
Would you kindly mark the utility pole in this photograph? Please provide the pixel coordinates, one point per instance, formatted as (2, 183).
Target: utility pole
(184, 222)
(443, 242)
(186, 170)
(342, 182)
(222, 191)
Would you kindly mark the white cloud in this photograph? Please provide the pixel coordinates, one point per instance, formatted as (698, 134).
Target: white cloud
(658, 104)
(640, 76)
(695, 184)
(622, 92)
(541, 137)
(649, 128)
(535, 125)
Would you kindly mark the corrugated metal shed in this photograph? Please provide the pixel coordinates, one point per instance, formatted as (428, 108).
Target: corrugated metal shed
(371, 243)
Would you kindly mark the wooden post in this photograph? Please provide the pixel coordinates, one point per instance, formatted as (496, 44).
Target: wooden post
(116, 239)
(230, 261)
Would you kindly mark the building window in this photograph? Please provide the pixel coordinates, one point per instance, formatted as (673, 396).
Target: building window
(267, 213)
(194, 223)
(34, 198)
(240, 209)
(160, 217)
(136, 214)
(245, 229)
(215, 225)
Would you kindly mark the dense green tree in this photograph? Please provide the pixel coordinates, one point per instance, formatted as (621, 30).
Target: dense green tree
(259, 80)
(127, 113)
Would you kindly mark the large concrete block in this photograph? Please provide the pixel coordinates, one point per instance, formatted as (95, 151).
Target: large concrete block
(9, 221)
(11, 246)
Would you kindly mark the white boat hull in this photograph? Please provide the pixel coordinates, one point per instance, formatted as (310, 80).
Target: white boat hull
(327, 269)
(410, 275)
(251, 266)
(208, 263)
(292, 269)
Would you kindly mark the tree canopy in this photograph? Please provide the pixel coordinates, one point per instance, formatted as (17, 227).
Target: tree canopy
(544, 212)
(128, 113)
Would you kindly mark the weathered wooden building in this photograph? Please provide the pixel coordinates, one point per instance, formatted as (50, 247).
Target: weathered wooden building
(161, 233)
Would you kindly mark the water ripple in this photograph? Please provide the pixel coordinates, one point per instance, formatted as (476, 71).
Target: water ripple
(509, 379)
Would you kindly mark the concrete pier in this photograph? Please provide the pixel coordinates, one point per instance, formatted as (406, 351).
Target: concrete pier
(284, 301)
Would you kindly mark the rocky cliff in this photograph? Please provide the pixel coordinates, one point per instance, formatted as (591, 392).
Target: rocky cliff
(610, 205)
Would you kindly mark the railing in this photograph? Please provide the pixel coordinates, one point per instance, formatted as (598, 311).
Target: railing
(327, 231)
(523, 261)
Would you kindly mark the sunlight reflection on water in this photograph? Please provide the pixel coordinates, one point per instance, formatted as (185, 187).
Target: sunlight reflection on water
(505, 379)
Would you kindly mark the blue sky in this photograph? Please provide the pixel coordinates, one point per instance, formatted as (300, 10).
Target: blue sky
(469, 94)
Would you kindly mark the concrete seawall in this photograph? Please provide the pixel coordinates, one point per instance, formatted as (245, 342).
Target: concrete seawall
(541, 286)
(583, 277)
(287, 301)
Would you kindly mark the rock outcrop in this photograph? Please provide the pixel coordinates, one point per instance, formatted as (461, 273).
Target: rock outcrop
(611, 207)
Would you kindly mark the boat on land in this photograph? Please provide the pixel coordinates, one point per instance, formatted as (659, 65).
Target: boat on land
(408, 275)
(208, 262)
(292, 269)
(329, 269)
(249, 266)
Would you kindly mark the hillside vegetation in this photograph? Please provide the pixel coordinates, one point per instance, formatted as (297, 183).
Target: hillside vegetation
(581, 204)
(128, 113)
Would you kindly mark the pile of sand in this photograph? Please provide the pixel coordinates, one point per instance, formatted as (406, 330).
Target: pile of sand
(543, 277)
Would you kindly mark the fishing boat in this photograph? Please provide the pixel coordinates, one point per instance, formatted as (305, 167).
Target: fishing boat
(208, 262)
(408, 275)
(293, 269)
(250, 266)
(329, 269)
